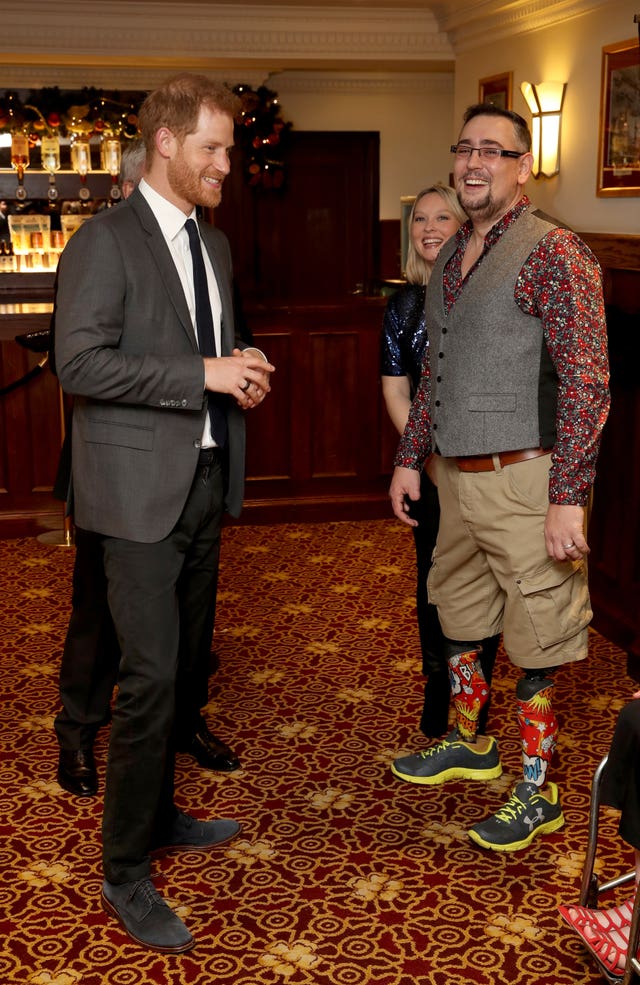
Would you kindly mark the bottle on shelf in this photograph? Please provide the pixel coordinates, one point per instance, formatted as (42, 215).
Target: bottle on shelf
(20, 160)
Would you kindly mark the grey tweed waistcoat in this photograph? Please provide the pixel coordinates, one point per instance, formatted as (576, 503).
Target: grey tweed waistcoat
(493, 386)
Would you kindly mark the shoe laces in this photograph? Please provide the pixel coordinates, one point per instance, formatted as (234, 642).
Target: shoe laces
(513, 808)
(146, 889)
(434, 750)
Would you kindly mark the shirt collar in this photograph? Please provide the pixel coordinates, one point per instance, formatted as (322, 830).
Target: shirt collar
(170, 218)
(499, 227)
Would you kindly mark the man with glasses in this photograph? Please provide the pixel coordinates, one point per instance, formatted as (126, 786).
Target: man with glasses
(513, 400)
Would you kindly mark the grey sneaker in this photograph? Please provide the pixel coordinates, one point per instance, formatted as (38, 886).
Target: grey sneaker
(146, 917)
(526, 814)
(451, 759)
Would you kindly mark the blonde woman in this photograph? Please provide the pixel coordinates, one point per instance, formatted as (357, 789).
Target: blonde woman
(435, 217)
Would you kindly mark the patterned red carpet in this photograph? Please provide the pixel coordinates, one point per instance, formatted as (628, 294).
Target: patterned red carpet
(343, 875)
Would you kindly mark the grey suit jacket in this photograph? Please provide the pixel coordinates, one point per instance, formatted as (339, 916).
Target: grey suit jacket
(125, 348)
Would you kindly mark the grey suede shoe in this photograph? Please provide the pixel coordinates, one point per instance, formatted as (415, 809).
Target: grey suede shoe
(146, 917)
(188, 833)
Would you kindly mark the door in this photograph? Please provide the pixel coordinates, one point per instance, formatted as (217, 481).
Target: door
(316, 238)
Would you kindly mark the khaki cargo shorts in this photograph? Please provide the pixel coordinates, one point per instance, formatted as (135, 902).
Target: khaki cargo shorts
(491, 571)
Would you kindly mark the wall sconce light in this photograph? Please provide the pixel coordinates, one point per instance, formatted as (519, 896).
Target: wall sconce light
(545, 99)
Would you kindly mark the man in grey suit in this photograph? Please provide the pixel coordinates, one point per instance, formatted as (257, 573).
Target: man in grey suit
(145, 343)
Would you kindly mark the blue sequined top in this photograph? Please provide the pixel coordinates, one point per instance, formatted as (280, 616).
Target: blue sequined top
(404, 338)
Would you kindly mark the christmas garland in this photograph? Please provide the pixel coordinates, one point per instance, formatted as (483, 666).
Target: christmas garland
(261, 132)
(86, 112)
(260, 129)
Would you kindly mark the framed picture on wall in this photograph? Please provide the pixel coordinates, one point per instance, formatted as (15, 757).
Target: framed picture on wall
(619, 136)
(496, 89)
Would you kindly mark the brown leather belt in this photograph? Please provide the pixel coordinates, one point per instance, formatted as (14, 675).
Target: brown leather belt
(485, 463)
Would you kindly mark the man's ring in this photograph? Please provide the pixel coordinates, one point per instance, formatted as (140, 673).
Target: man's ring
(247, 384)
(567, 547)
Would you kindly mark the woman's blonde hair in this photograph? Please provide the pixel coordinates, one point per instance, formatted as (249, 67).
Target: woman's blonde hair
(417, 271)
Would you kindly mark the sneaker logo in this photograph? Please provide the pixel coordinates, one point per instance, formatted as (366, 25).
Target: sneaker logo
(531, 822)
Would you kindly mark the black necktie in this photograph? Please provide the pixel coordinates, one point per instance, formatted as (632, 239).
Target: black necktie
(204, 328)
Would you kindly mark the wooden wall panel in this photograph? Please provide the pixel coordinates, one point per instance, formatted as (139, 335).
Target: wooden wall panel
(324, 412)
(270, 432)
(334, 432)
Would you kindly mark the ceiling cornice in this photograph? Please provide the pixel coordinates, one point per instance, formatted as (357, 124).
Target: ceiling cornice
(472, 23)
(219, 37)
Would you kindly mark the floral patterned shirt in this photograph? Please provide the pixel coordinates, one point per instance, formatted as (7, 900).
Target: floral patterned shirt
(560, 284)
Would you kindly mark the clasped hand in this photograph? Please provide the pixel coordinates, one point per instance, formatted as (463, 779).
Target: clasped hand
(243, 375)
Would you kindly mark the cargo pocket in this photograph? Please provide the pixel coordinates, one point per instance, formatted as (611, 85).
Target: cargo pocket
(557, 600)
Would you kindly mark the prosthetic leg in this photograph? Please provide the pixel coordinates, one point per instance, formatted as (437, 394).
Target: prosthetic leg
(530, 811)
(457, 757)
(469, 690)
(538, 725)
(437, 690)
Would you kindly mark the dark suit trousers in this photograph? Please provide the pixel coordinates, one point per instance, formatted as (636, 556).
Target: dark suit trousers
(160, 600)
(89, 666)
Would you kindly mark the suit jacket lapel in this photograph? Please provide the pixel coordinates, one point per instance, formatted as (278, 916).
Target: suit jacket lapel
(163, 260)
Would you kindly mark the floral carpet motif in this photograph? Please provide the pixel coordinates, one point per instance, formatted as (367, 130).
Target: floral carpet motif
(342, 875)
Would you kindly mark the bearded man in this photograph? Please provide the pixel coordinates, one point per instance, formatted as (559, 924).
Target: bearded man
(512, 401)
(145, 343)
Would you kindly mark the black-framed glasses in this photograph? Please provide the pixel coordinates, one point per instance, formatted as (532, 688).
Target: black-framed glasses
(464, 152)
